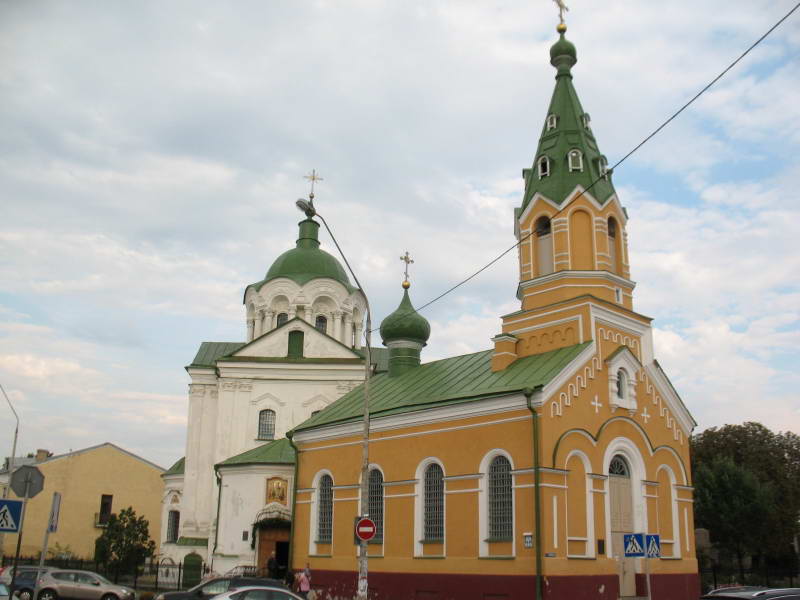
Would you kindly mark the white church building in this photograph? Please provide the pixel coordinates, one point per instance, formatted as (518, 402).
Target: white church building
(229, 499)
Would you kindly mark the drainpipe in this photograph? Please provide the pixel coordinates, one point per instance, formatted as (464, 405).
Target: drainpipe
(289, 436)
(537, 489)
(216, 529)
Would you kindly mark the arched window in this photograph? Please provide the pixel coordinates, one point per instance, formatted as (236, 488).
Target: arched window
(282, 318)
(602, 165)
(325, 510)
(173, 524)
(619, 467)
(575, 160)
(375, 502)
(500, 504)
(622, 384)
(613, 245)
(612, 228)
(295, 347)
(552, 121)
(586, 120)
(433, 504)
(266, 424)
(544, 246)
(543, 165)
(321, 324)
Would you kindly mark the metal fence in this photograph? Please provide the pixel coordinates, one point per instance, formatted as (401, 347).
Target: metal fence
(720, 576)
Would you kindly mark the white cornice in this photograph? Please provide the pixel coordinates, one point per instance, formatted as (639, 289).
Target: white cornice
(567, 372)
(559, 275)
(571, 197)
(668, 393)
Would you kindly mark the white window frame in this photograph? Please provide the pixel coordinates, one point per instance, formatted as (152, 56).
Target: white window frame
(483, 503)
(543, 167)
(627, 362)
(314, 515)
(419, 505)
(586, 119)
(575, 160)
(552, 122)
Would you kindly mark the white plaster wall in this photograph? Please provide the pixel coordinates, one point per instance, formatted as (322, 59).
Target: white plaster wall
(173, 488)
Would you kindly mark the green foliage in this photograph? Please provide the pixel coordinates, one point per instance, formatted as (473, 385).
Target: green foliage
(126, 542)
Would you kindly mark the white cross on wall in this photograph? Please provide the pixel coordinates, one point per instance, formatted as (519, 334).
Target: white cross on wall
(645, 416)
(596, 405)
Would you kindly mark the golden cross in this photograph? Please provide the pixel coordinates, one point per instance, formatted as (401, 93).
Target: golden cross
(312, 177)
(561, 8)
(407, 259)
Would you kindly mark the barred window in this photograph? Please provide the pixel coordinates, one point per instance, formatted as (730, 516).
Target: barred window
(282, 318)
(266, 425)
(325, 509)
(501, 518)
(433, 503)
(375, 502)
(321, 324)
(619, 467)
(173, 523)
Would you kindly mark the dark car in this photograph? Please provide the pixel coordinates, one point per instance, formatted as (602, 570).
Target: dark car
(219, 585)
(755, 594)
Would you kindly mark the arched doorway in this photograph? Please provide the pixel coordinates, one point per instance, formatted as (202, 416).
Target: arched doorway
(620, 498)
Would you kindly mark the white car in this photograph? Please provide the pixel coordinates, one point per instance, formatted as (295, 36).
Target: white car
(259, 592)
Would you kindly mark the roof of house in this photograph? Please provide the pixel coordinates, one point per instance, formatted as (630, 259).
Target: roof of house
(177, 468)
(276, 452)
(97, 447)
(451, 380)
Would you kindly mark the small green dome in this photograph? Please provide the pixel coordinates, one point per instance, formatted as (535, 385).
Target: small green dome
(307, 261)
(563, 55)
(405, 324)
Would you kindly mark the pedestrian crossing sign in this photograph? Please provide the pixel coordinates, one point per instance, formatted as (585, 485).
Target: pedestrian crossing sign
(634, 544)
(10, 513)
(653, 543)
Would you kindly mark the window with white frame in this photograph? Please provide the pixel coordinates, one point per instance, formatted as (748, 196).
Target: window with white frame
(602, 165)
(622, 384)
(586, 120)
(266, 424)
(375, 502)
(499, 501)
(325, 510)
(543, 165)
(433, 504)
(575, 160)
(552, 121)
(173, 525)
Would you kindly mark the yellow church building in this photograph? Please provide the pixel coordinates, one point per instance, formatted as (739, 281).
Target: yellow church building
(516, 472)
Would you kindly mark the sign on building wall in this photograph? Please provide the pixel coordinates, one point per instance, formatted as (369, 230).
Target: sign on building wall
(277, 490)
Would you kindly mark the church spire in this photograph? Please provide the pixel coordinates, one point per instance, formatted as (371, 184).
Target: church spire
(567, 155)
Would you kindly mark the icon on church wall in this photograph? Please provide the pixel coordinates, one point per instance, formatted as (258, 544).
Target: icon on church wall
(277, 490)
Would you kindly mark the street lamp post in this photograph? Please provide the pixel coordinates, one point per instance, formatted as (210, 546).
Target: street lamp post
(13, 455)
(307, 207)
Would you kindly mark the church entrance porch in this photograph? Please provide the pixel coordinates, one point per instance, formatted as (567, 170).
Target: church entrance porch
(273, 537)
(621, 503)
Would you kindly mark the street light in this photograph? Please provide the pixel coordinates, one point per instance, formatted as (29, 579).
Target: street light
(307, 207)
(14, 445)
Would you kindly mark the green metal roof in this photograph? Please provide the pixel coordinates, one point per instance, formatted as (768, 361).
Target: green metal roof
(272, 453)
(570, 133)
(209, 352)
(380, 358)
(451, 380)
(177, 468)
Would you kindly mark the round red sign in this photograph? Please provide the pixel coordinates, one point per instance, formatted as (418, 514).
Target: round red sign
(365, 529)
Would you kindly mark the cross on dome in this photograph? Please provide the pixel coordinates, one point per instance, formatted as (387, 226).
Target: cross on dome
(313, 178)
(406, 259)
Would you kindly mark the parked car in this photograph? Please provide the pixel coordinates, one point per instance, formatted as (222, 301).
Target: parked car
(3, 591)
(80, 585)
(736, 588)
(261, 592)
(219, 585)
(7, 572)
(755, 594)
(25, 582)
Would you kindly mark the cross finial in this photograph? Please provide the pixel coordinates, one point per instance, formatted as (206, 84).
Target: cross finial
(406, 258)
(313, 178)
(562, 8)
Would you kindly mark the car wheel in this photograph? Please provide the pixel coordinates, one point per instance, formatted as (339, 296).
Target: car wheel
(109, 597)
(25, 595)
(48, 595)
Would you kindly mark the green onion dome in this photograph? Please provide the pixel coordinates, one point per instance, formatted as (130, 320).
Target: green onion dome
(405, 323)
(563, 55)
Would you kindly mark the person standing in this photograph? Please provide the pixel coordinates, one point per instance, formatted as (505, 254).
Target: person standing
(272, 566)
(303, 583)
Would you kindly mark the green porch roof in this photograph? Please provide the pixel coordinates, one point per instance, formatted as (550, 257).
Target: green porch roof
(276, 452)
(451, 380)
(209, 352)
(177, 468)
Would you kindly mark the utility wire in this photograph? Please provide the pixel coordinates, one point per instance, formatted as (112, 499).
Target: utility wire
(628, 155)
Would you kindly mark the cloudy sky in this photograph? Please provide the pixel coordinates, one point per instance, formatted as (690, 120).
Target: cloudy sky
(151, 153)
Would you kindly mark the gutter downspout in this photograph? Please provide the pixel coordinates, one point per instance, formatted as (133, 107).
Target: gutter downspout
(219, 502)
(289, 436)
(537, 490)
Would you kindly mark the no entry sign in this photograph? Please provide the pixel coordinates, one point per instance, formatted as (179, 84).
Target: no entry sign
(365, 529)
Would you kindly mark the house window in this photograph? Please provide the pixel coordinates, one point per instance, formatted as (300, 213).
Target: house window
(105, 509)
(543, 165)
(325, 510)
(266, 424)
(575, 160)
(602, 164)
(501, 518)
(295, 349)
(619, 467)
(375, 502)
(622, 384)
(552, 121)
(321, 324)
(282, 318)
(173, 523)
(433, 500)
(544, 246)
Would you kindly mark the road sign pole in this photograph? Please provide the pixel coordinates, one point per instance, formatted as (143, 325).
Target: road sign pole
(19, 535)
(647, 574)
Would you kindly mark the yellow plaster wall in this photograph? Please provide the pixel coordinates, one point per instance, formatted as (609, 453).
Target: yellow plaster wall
(82, 478)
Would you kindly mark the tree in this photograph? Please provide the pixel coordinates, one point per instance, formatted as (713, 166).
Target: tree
(126, 542)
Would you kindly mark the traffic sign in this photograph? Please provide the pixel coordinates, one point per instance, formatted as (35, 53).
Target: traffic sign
(10, 515)
(653, 546)
(55, 510)
(634, 544)
(365, 529)
(27, 481)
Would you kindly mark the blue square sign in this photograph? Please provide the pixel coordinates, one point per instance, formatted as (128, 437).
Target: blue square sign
(10, 513)
(653, 546)
(634, 544)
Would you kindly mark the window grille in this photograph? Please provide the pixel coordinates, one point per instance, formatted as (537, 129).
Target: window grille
(282, 318)
(433, 503)
(501, 518)
(172, 526)
(266, 425)
(321, 324)
(325, 510)
(375, 502)
(619, 467)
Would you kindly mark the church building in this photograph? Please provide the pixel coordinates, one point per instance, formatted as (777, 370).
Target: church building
(517, 471)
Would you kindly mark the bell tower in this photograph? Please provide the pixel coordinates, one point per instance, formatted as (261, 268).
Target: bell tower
(571, 230)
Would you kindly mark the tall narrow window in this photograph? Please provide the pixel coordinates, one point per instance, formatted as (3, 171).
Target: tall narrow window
(612, 244)
(501, 518)
(295, 349)
(586, 120)
(602, 165)
(622, 384)
(575, 160)
(544, 166)
(433, 503)
(105, 509)
(325, 510)
(321, 324)
(266, 424)
(552, 121)
(544, 246)
(375, 502)
(282, 318)
(173, 524)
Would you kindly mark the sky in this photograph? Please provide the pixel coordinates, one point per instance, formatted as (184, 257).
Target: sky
(151, 153)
